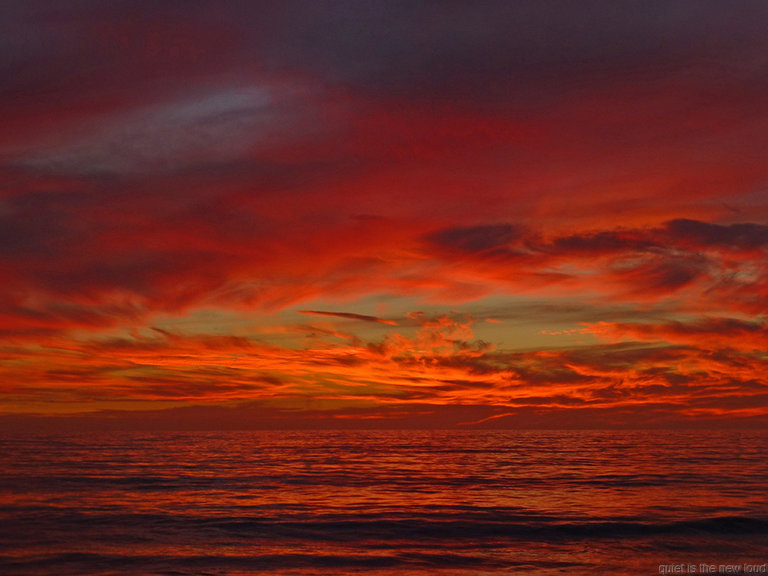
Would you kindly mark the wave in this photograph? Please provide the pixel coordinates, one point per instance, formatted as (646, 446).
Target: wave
(461, 529)
(74, 563)
(401, 545)
(422, 525)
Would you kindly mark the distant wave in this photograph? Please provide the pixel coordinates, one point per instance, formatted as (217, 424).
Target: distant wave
(459, 528)
(280, 522)
(192, 564)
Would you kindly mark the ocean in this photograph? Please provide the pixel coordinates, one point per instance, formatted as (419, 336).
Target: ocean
(384, 503)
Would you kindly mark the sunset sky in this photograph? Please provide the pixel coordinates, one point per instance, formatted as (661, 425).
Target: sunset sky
(383, 214)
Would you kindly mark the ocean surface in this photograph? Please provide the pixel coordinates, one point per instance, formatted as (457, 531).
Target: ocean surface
(384, 503)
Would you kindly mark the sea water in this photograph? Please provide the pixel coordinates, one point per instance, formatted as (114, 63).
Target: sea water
(384, 502)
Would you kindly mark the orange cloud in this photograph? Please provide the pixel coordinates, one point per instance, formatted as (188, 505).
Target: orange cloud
(152, 172)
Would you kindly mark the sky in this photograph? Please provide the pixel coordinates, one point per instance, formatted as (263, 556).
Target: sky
(340, 214)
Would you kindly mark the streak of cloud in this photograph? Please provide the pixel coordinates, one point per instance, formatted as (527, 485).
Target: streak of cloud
(349, 316)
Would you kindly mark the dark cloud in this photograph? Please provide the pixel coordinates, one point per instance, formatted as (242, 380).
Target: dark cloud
(672, 239)
(350, 316)
(709, 327)
(454, 50)
(664, 274)
(622, 356)
(706, 333)
(492, 238)
(67, 315)
(704, 234)
(555, 400)
(532, 370)
(650, 263)
(44, 224)
(393, 45)
(605, 242)
(190, 387)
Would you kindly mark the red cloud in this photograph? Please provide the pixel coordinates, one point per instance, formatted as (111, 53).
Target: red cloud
(244, 163)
